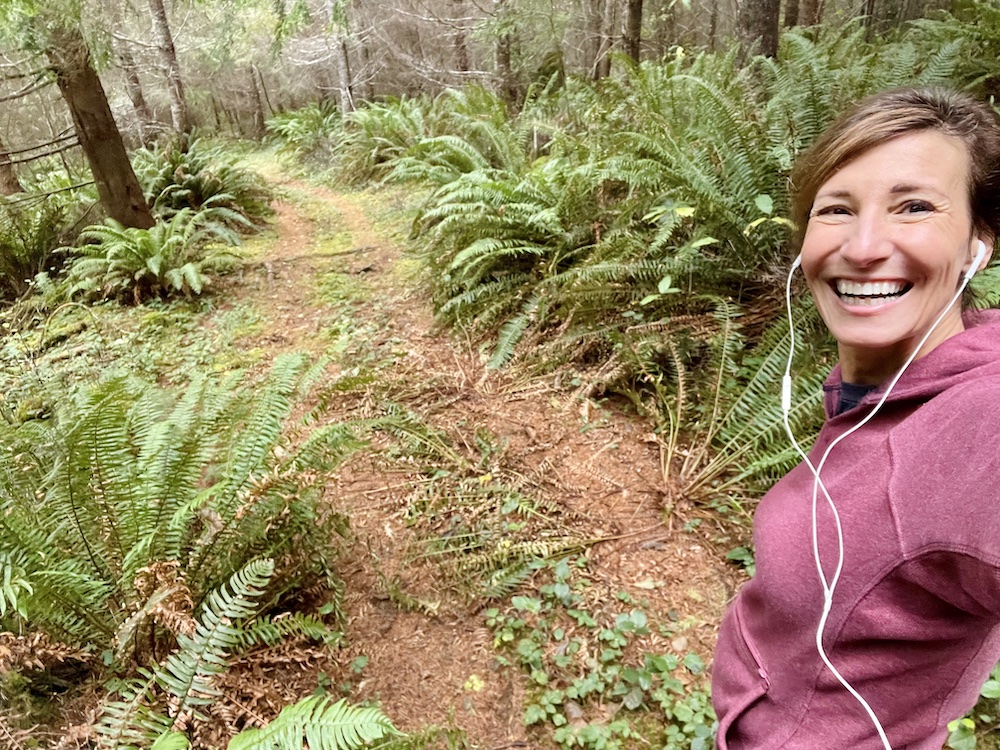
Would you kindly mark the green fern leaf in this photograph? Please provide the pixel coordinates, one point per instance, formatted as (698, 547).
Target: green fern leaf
(319, 724)
(187, 673)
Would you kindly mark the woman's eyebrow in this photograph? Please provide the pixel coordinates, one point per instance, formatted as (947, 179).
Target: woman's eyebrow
(834, 194)
(907, 187)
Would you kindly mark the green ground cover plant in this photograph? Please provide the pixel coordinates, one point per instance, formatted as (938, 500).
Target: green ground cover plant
(592, 686)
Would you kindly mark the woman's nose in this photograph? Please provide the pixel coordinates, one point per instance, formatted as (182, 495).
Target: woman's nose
(868, 244)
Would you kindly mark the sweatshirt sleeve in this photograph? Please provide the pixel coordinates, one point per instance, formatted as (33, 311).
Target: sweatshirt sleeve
(944, 493)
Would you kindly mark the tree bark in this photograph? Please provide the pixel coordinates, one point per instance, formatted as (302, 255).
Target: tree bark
(180, 115)
(809, 12)
(95, 126)
(602, 65)
(363, 82)
(259, 116)
(343, 76)
(758, 27)
(595, 40)
(9, 184)
(633, 29)
(503, 54)
(133, 86)
(713, 25)
(791, 14)
(460, 38)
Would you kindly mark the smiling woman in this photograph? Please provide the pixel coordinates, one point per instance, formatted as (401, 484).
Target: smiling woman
(874, 615)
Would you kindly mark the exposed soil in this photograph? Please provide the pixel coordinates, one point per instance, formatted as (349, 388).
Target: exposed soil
(598, 463)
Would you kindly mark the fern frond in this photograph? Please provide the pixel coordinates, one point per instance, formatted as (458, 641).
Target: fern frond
(188, 672)
(130, 722)
(319, 724)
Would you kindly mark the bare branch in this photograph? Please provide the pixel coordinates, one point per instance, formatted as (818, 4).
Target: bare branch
(29, 74)
(40, 196)
(57, 139)
(51, 152)
(29, 89)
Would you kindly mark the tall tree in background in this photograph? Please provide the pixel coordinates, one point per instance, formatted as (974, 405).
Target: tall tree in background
(503, 52)
(810, 12)
(130, 71)
(180, 115)
(336, 14)
(601, 26)
(758, 27)
(633, 29)
(460, 40)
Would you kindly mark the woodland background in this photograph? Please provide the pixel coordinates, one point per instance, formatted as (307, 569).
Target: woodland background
(233, 436)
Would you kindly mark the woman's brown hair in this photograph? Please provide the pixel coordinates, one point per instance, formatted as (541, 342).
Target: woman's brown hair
(890, 114)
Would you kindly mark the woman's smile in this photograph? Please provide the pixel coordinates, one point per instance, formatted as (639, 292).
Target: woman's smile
(870, 293)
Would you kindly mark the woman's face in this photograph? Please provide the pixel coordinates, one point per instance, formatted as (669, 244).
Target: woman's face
(889, 237)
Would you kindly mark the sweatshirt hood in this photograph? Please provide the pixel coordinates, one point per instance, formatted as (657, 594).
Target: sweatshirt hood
(974, 353)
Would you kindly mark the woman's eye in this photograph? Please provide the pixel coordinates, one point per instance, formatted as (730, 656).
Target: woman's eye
(831, 211)
(915, 207)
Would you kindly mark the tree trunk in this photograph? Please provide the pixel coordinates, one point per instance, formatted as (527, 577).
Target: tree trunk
(809, 12)
(133, 86)
(664, 32)
(869, 19)
(791, 14)
(460, 41)
(713, 25)
(502, 53)
(364, 85)
(633, 29)
(602, 65)
(343, 77)
(263, 88)
(595, 42)
(259, 115)
(102, 144)
(758, 27)
(9, 184)
(180, 116)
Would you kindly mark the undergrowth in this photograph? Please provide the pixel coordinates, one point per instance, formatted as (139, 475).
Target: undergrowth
(593, 681)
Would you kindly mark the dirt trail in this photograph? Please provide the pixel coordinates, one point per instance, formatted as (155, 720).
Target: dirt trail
(594, 461)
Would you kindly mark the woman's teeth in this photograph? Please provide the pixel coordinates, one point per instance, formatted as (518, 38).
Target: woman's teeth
(870, 292)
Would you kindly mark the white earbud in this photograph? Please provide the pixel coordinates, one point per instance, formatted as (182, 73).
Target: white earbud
(980, 254)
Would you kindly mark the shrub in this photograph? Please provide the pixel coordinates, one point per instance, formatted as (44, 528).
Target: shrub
(310, 132)
(29, 237)
(124, 507)
(173, 257)
(201, 175)
(376, 134)
(673, 178)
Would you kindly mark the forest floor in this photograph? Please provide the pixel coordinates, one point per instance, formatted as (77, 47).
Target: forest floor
(333, 279)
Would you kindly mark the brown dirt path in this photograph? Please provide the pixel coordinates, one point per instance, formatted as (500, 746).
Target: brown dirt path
(596, 461)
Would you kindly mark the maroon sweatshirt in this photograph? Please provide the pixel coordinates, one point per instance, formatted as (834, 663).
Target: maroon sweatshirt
(915, 624)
